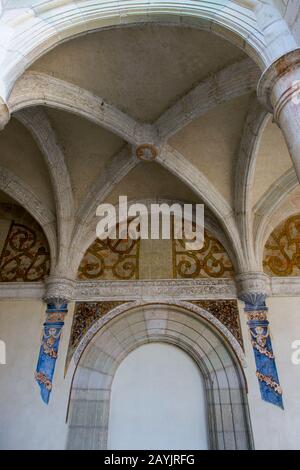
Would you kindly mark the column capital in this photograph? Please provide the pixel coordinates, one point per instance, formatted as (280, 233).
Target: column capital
(59, 290)
(277, 84)
(253, 287)
(4, 114)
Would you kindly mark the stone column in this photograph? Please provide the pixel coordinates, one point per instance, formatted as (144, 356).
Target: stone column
(253, 289)
(59, 292)
(279, 91)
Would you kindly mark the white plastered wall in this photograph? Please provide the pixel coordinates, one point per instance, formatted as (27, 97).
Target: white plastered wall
(26, 422)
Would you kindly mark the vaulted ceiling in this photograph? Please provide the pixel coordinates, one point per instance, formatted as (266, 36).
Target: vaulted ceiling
(140, 70)
(190, 92)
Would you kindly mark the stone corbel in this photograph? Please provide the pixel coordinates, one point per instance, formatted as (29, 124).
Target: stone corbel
(253, 289)
(58, 293)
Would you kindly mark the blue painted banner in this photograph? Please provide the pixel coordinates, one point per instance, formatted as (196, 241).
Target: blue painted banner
(266, 372)
(49, 348)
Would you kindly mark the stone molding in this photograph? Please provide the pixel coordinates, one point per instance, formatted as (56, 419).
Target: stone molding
(165, 289)
(22, 290)
(285, 286)
(156, 289)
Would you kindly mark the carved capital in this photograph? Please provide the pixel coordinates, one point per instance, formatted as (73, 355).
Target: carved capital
(253, 287)
(4, 114)
(280, 83)
(59, 291)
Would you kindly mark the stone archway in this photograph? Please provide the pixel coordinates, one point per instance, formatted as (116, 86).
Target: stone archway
(240, 27)
(225, 388)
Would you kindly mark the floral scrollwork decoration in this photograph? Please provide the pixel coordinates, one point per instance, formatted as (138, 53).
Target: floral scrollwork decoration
(111, 259)
(210, 261)
(25, 256)
(282, 250)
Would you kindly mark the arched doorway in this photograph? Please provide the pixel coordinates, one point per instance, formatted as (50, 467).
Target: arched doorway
(227, 414)
(157, 401)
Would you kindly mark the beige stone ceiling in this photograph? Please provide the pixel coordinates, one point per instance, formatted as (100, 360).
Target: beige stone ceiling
(150, 180)
(212, 141)
(20, 154)
(141, 70)
(86, 146)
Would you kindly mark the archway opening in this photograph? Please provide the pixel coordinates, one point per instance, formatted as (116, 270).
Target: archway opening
(110, 342)
(157, 401)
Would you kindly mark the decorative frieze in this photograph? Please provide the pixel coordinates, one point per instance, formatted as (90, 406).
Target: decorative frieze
(166, 288)
(160, 289)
